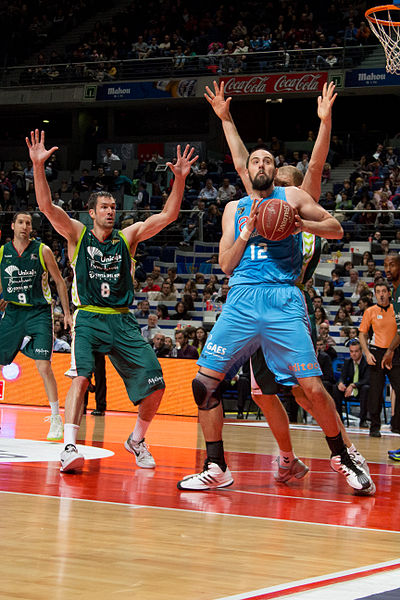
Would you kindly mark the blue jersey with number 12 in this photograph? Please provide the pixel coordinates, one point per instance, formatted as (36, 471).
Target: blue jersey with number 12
(264, 261)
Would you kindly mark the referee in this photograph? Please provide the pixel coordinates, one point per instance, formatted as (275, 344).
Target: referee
(380, 322)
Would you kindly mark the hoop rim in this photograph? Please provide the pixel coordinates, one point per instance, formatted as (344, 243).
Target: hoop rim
(375, 9)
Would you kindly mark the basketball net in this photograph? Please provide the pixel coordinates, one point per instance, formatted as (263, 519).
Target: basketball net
(382, 22)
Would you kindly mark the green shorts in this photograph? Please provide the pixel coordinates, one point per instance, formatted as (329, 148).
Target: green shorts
(118, 335)
(36, 322)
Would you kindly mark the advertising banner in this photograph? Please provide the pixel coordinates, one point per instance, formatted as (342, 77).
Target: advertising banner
(274, 84)
(140, 90)
(370, 78)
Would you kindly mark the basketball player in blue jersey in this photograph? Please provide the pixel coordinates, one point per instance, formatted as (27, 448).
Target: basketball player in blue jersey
(264, 386)
(265, 308)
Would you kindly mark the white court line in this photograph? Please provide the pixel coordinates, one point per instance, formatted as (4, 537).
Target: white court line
(202, 512)
(313, 471)
(289, 497)
(285, 587)
(308, 427)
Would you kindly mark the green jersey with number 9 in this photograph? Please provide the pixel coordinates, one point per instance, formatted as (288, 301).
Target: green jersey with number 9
(24, 277)
(103, 272)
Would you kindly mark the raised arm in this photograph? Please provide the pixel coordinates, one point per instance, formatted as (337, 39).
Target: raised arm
(312, 178)
(236, 146)
(313, 218)
(67, 227)
(231, 250)
(144, 230)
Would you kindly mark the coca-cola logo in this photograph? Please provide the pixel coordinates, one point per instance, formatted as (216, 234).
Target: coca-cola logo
(306, 83)
(268, 84)
(251, 85)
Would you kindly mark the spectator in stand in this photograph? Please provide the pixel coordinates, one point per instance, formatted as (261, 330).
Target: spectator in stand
(361, 289)
(353, 334)
(302, 165)
(199, 279)
(326, 173)
(184, 350)
(173, 277)
(366, 257)
(385, 218)
(352, 284)
(200, 339)
(181, 313)
(159, 347)
(108, 157)
(166, 294)
(150, 330)
(363, 303)
(320, 316)
(144, 310)
(208, 193)
(223, 293)
(188, 232)
(143, 198)
(338, 297)
(150, 285)
(396, 241)
(327, 289)
(162, 312)
(226, 193)
(157, 278)
(325, 362)
(317, 302)
(328, 341)
(212, 224)
(342, 317)
(371, 268)
(354, 382)
(363, 34)
(169, 345)
(336, 276)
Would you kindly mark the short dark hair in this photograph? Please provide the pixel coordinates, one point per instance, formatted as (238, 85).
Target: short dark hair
(354, 342)
(94, 196)
(382, 284)
(21, 212)
(258, 147)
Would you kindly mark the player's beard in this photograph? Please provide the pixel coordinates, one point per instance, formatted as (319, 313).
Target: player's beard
(261, 182)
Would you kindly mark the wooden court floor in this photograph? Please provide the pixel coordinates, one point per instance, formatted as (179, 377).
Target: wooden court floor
(116, 531)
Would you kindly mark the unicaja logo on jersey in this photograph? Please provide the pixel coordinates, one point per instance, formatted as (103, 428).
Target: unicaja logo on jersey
(93, 252)
(11, 270)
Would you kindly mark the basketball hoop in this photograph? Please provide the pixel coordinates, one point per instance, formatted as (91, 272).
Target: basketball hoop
(382, 20)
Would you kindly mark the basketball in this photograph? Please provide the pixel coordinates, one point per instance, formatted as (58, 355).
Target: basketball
(275, 219)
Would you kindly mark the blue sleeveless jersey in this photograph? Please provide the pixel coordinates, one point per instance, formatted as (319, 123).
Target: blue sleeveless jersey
(264, 261)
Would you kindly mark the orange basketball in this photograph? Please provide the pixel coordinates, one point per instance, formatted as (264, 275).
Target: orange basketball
(275, 219)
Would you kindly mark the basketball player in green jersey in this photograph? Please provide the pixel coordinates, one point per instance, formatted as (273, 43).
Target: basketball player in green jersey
(102, 291)
(265, 390)
(24, 268)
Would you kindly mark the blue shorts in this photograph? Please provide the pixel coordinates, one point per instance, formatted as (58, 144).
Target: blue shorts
(271, 316)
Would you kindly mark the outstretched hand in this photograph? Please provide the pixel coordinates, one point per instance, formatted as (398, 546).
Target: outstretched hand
(326, 100)
(217, 100)
(37, 151)
(183, 163)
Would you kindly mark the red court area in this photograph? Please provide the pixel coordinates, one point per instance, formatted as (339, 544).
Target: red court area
(322, 497)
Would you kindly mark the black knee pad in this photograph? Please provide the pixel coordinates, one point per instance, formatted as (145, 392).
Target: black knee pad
(203, 391)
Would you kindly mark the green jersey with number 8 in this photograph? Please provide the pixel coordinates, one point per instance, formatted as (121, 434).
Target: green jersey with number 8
(103, 273)
(24, 277)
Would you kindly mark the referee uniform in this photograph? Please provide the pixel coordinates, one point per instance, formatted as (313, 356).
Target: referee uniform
(381, 323)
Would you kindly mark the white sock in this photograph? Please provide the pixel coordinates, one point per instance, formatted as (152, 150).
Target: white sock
(55, 408)
(70, 433)
(285, 458)
(139, 432)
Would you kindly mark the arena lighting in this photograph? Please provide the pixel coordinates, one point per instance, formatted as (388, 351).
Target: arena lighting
(11, 372)
(274, 100)
(45, 121)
